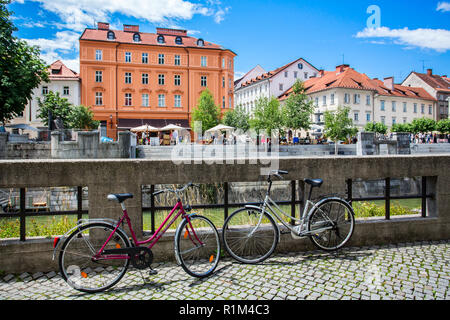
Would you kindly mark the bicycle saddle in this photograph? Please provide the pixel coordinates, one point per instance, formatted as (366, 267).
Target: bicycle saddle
(314, 182)
(119, 197)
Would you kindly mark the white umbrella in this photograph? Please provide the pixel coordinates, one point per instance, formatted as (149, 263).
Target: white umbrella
(171, 127)
(144, 128)
(220, 127)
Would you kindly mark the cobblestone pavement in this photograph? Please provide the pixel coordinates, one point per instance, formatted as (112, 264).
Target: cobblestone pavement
(419, 270)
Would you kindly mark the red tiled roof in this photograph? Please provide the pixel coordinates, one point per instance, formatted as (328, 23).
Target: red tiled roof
(435, 81)
(59, 71)
(146, 38)
(402, 91)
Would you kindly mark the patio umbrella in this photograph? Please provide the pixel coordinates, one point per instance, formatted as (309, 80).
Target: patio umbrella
(220, 127)
(144, 128)
(171, 127)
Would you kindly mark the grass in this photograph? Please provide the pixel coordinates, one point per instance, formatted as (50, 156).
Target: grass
(47, 226)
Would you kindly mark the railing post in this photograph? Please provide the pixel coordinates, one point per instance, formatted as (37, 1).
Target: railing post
(388, 198)
(22, 214)
(293, 201)
(424, 197)
(79, 202)
(350, 191)
(225, 200)
(152, 208)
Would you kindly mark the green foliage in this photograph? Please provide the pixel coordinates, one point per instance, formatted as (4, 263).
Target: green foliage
(206, 111)
(370, 209)
(338, 125)
(423, 125)
(401, 127)
(21, 68)
(237, 118)
(443, 126)
(376, 127)
(298, 108)
(81, 117)
(37, 227)
(267, 116)
(60, 107)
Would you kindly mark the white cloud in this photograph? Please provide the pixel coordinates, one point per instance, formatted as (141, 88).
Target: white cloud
(435, 39)
(443, 6)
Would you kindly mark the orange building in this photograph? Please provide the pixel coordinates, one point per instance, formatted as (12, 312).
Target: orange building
(131, 78)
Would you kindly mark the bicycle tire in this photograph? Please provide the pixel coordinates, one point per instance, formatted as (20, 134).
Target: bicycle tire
(77, 277)
(240, 246)
(197, 261)
(323, 240)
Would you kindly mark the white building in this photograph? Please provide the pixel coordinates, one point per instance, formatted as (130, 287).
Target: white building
(62, 80)
(271, 84)
(369, 100)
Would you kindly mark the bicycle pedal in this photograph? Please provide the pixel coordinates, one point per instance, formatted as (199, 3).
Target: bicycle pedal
(152, 272)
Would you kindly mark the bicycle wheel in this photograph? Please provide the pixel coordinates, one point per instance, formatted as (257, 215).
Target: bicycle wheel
(76, 263)
(197, 246)
(334, 221)
(247, 239)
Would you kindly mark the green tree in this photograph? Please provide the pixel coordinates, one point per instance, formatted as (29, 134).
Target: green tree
(21, 68)
(423, 125)
(206, 111)
(376, 127)
(60, 107)
(338, 125)
(443, 126)
(267, 116)
(81, 117)
(237, 118)
(298, 108)
(401, 127)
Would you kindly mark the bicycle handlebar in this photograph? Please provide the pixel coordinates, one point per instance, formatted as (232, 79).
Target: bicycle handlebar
(278, 173)
(176, 191)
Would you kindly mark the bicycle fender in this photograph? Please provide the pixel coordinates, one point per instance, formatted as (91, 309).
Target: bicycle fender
(82, 223)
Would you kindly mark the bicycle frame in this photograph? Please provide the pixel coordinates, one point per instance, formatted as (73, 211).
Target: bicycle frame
(154, 238)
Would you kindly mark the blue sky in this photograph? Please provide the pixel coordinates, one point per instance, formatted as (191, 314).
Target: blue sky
(408, 35)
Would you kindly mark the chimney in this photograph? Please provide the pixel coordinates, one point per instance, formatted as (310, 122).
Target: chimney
(130, 28)
(342, 67)
(389, 83)
(430, 72)
(103, 26)
(172, 32)
(321, 72)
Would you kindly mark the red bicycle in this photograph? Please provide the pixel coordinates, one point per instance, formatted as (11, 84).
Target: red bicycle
(96, 254)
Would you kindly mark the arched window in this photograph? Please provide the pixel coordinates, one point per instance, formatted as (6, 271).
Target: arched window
(111, 35)
(200, 42)
(136, 37)
(178, 40)
(160, 39)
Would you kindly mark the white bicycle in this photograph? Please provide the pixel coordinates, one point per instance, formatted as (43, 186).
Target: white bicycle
(250, 234)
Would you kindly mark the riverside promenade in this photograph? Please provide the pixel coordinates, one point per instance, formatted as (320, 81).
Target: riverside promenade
(406, 271)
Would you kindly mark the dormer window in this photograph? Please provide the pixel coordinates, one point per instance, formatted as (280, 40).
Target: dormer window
(200, 42)
(300, 66)
(178, 40)
(136, 37)
(160, 39)
(111, 35)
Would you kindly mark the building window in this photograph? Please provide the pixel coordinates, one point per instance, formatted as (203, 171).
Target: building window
(98, 76)
(367, 100)
(223, 63)
(317, 102)
(295, 74)
(160, 39)
(145, 58)
(127, 56)
(136, 37)
(98, 55)
(415, 107)
(357, 98)
(430, 109)
(203, 61)
(145, 101)
(99, 98)
(382, 108)
(177, 80)
(161, 79)
(203, 81)
(161, 100)
(404, 120)
(223, 82)
(383, 120)
(111, 35)
(161, 58)
(368, 117)
(394, 106)
(178, 40)
(66, 91)
(200, 42)
(229, 102)
(306, 75)
(332, 99)
(145, 78)
(281, 87)
(128, 77)
(177, 101)
(346, 98)
(44, 91)
(324, 100)
(356, 116)
(177, 60)
(422, 108)
(128, 99)
(300, 66)
(223, 102)
(286, 74)
(404, 107)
